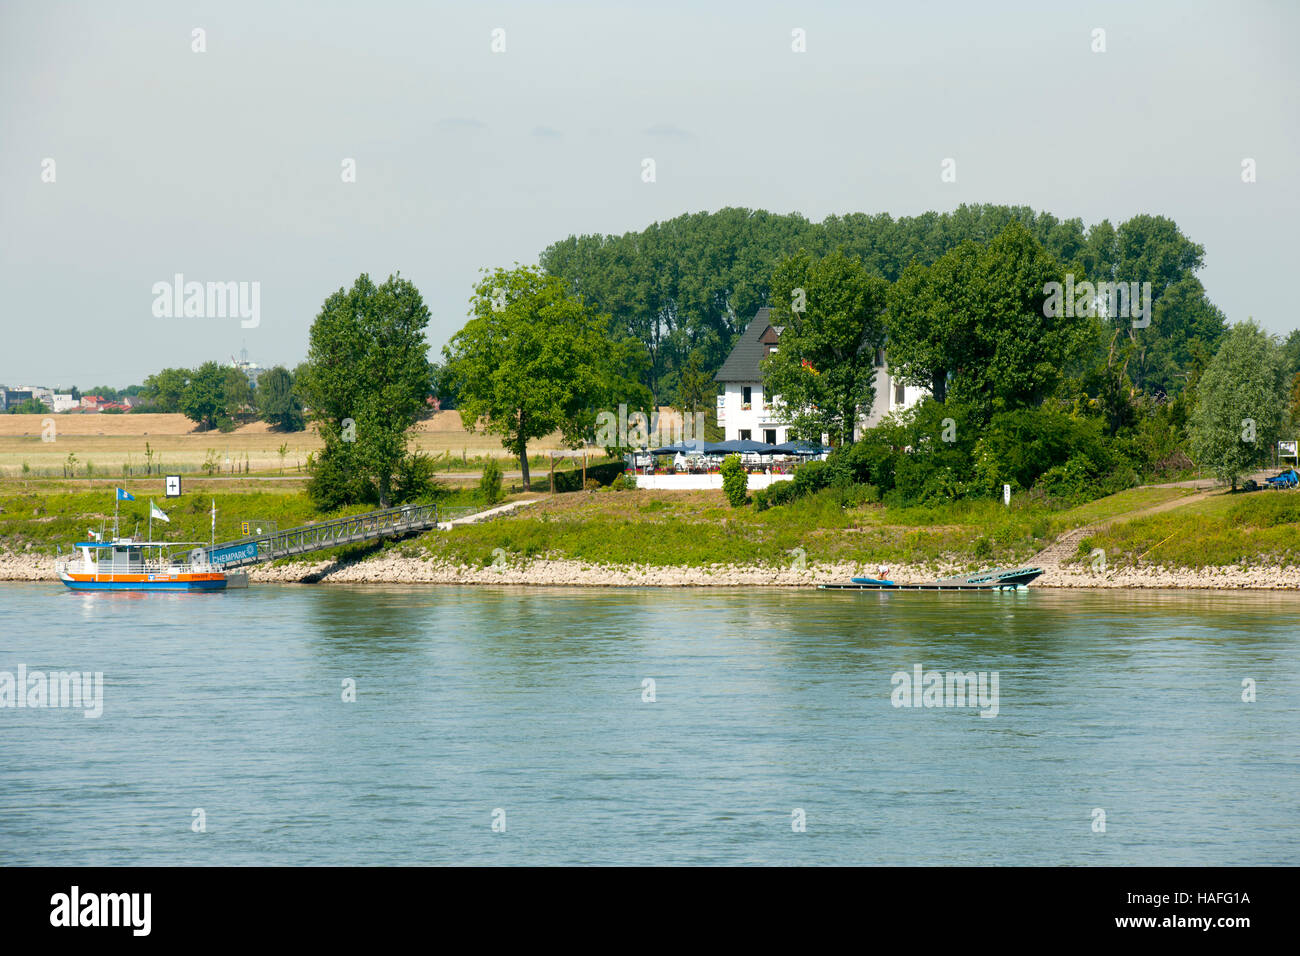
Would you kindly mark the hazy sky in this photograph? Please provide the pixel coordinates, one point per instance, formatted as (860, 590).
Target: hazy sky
(226, 165)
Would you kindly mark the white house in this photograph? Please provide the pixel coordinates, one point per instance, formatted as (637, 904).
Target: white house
(746, 411)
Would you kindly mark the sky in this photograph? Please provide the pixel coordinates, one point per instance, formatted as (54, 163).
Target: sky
(482, 132)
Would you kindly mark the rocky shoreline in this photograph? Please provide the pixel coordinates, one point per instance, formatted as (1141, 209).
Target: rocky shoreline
(400, 569)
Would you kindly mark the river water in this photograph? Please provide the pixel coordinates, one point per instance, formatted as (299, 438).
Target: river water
(644, 726)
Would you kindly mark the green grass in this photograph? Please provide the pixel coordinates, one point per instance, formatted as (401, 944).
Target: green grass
(699, 529)
(38, 516)
(1259, 528)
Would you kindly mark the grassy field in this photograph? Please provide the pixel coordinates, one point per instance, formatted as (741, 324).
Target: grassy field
(38, 515)
(1260, 528)
(696, 529)
(114, 445)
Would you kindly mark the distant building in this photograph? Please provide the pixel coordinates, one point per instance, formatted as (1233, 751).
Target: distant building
(251, 369)
(64, 402)
(11, 397)
(745, 411)
(92, 403)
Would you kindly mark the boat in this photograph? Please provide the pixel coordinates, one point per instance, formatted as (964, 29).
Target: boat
(125, 564)
(997, 579)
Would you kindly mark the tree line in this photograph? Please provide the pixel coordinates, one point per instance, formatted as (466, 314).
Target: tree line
(222, 396)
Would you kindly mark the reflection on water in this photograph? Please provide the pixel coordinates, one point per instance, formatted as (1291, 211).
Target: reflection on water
(530, 701)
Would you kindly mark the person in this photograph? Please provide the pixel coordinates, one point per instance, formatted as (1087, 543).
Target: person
(882, 573)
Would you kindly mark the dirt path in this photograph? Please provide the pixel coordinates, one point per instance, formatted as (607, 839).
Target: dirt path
(1067, 545)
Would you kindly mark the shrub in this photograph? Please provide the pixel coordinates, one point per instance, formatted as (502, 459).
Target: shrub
(813, 476)
(779, 493)
(490, 481)
(602, 474)
(624, 482)
(415, 479)
(735, 483)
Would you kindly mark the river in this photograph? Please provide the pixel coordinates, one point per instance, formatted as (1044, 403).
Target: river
(643, 726)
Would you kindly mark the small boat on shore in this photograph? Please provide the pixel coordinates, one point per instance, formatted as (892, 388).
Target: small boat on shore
(995, 580)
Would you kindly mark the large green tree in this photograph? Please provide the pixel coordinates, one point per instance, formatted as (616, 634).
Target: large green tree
(973, 327)
(532, 360)
(366, 380)
(277, 401)
(1239, 404)
(832, 316)
(204, 398)
(163, 390)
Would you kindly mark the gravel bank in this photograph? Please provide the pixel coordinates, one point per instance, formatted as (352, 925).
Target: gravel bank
(397, 569)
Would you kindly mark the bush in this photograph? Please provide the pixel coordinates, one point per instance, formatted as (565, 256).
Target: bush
(812, 476)
(415, 480)
(490, 481)
(779, 493)
(735, 483)
(602, 474)
(624, 482)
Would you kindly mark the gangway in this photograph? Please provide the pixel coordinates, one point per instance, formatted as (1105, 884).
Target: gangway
(315, 537)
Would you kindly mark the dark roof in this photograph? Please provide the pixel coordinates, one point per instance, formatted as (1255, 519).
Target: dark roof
(742, 364)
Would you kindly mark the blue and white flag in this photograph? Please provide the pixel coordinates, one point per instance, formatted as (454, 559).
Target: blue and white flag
(124, 495)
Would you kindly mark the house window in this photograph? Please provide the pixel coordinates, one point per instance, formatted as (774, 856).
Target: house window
(771, 350)
(769, 436)
(746, 395)
(898, 393)
(744, 434)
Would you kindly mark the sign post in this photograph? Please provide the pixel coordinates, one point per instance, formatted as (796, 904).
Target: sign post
(173, 486)
(1006, 495)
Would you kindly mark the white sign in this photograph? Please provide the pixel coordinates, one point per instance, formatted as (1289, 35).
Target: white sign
(722, 410)
(173, 486)
(1006, 495)
(1286, 449)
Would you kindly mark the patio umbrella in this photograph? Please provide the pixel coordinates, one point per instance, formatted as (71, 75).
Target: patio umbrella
(745, 446)
(801, 448)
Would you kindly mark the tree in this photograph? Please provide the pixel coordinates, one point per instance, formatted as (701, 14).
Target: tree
(824, 369)
(977, 329)
(29, 406)
(735, 482)
(204, 399)
(366, 379)
(1239, 405)
(696, 390)
(164, 389)
(277, 402)
(532, 360)
(238, 392)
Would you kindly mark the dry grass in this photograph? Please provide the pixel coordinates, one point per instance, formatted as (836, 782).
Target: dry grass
(110, 442)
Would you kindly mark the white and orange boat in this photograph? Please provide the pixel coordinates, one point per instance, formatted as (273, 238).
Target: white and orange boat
(125, 564)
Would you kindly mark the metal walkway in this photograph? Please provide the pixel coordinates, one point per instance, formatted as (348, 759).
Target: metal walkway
(315, 537)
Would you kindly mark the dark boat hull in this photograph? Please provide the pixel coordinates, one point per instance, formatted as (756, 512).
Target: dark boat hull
(984, 581)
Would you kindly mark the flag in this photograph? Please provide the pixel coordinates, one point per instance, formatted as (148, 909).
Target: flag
(124, 495)
(214, 515)
(94, 535)
(156, 512)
